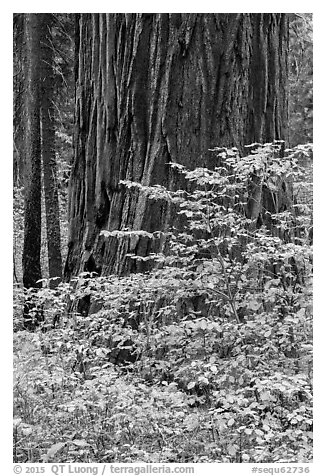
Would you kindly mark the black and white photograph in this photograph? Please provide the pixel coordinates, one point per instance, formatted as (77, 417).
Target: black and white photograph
(162, 241)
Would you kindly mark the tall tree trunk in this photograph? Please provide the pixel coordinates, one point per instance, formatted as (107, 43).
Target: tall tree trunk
(19, 63)
(160, 88)
(48, 150)
(32, 166)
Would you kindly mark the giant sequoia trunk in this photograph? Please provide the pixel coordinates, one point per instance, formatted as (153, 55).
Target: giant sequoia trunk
(160, 88)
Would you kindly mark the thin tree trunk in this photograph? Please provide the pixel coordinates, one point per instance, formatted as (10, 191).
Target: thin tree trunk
(19, 58)
(160, 88)
(32, 168)
(48, 152)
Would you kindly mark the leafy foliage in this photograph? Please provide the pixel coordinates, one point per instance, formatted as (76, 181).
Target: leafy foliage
(208, 357)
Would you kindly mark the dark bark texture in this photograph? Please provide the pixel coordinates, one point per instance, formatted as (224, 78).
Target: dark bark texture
(160, 88)
(19, 66)
(48, 149)
(32, 165)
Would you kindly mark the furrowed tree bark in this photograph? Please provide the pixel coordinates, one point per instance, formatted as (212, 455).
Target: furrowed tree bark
(32, 166)
(48, 151)
(160, 88)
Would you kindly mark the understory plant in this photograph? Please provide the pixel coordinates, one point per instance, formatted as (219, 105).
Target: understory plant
(207, 357)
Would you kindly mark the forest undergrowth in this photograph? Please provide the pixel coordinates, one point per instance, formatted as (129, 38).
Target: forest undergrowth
(207, 357)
